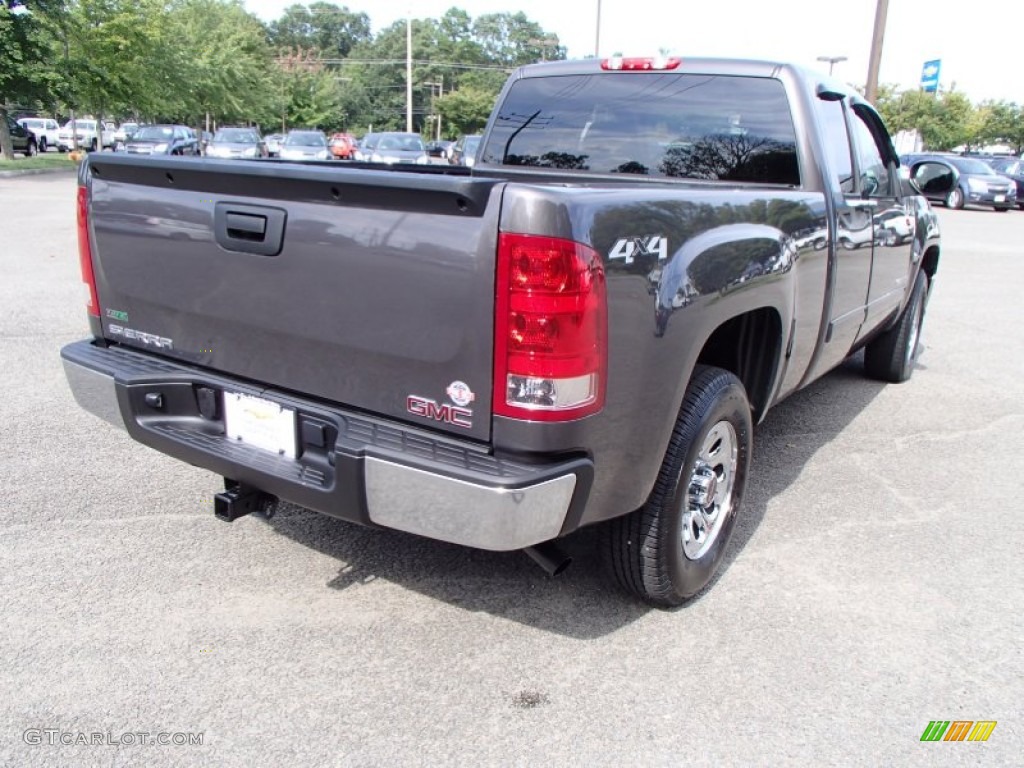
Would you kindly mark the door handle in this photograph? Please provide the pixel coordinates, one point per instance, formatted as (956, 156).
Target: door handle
(254, 229)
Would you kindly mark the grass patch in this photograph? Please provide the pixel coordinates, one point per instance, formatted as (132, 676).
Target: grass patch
(51, 159)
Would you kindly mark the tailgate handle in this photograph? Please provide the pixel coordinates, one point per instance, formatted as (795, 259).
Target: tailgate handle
(243, 226)
(249, 228)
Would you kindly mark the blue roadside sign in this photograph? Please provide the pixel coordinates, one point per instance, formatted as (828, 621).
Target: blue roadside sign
(930, 76)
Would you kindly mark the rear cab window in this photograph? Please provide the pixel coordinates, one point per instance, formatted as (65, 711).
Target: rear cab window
(688, 126)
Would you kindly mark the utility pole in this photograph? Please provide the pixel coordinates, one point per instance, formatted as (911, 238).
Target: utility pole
(881, 11)
(597, 33)
(440, 93)
(408, 74)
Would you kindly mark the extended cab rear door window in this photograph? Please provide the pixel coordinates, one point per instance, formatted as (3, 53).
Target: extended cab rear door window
(661, 125)
(874, 171)
(836, 139)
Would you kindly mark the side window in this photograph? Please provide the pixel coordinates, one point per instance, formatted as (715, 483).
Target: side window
(837, 142)
(874, 174)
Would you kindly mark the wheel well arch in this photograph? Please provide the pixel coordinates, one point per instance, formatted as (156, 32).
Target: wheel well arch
(748, 345)
(930, 262)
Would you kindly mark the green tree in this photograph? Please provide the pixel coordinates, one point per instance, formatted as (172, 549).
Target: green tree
(944, 120)
(511, 40)
(114, 51)
(331, 30)
(223, 64)
(1004, 123)
(465, 110)
(311, 94)
(27, 73)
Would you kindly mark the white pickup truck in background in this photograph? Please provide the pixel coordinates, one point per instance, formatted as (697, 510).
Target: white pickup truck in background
(86, 131)
(46, 131)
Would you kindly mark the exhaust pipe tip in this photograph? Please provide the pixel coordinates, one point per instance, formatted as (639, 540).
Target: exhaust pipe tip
(549, 556)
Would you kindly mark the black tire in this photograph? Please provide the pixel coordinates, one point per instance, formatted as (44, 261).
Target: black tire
(891, 356)
(93, 146)
(955, 199)
(61, 148)
(645, 549)
(1021, 206)
(42, 144)
(30, 148)
(1002, 209)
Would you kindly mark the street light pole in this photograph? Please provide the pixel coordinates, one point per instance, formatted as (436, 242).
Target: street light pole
(832, 61)
(597, 33)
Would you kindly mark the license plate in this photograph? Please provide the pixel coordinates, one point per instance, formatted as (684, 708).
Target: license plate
(260, 423)
(1000, 198)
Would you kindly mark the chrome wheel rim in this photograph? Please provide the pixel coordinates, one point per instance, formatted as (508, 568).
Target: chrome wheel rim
(708, 502)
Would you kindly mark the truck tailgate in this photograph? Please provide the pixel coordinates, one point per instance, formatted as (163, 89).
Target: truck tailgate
(361, 287)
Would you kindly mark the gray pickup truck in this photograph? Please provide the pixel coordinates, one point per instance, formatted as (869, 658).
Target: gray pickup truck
(581, 329)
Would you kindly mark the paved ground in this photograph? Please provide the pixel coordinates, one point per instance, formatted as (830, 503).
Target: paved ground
(876, 582)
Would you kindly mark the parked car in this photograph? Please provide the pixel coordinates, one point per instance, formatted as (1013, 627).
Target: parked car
(273, 142)
(22, 139)
(123, 133)
(305, 145)
(394, 147)
(464, 151)
(364, 148)
(958, 181)
(163, 140)
(237, 142)
(85, 129)
(45, 129)
(441, 149)
(1013, 169)
(343, 146)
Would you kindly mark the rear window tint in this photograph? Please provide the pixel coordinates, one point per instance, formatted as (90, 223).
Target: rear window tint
(667, 125)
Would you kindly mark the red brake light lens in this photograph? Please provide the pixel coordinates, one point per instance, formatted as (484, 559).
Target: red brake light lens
(85, 252)
(550, 330)
(640, 64)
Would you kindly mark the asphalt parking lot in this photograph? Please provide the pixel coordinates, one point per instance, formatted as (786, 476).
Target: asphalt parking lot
(875, 582)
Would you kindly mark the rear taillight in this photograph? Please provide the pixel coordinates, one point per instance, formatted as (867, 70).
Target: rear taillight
(551, 338)
(85, 252)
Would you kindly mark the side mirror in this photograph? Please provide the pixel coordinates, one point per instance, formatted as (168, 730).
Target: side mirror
(869, 184)
(933, 178)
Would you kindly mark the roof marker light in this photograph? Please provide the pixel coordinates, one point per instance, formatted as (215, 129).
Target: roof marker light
(641, 64)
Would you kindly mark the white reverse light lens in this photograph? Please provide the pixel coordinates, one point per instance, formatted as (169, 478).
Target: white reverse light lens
(551, 394)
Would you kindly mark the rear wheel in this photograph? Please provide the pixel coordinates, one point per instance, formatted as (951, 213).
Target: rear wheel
(668, 550)
(93, 146)
(30, 148)
(42, 144)
(892, 355)
(955, 199)
(1002, 208)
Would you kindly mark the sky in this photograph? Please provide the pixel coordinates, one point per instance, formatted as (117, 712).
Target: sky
(982, 62)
